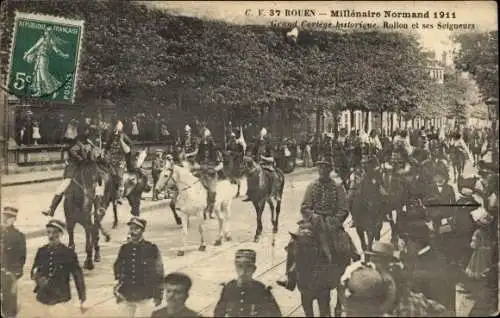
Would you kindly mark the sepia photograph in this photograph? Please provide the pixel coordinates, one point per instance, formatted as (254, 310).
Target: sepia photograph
(249, 159)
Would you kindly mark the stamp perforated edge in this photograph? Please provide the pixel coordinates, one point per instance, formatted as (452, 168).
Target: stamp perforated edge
(47, 18)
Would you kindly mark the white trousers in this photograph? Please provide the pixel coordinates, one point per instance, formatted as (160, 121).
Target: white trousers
(136, 309)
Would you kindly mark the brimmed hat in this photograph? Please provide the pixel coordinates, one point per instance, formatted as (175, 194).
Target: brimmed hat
(365, 288)
(417, 230)
(325, 159)
(441, 170)
(137, 221)
(382, 249)
(245, 256)
(57, 225)
(10, 211)
(482, 216)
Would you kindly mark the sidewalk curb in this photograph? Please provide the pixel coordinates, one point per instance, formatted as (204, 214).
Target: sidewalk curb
(158, 205)
(153, 206)
(51, 179)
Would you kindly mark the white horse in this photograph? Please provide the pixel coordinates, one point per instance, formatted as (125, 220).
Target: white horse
(191, 201)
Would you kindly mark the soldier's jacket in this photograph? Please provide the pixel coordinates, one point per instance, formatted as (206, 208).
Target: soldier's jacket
(158, 165)
(208, 155)
(114, 148)
(251, 300)
(262, 147)
(139, 270)
(13, 244)
(326, 198)
(51, 269)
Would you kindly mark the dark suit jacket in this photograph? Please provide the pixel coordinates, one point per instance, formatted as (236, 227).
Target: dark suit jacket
(432, 275)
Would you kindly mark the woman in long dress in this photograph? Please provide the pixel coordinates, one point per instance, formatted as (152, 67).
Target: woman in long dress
(43, 82)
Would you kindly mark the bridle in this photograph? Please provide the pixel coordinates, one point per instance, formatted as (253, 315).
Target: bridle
(170, 178)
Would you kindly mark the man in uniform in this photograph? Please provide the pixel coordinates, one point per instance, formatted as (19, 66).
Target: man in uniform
(244, 296)
(13, 244)
(324, 207)
(263, 153)
(81, 151)
(52, 267)
(210, 161)
(139, 272)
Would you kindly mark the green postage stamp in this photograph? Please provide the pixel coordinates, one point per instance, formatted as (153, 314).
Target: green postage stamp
(44, 57)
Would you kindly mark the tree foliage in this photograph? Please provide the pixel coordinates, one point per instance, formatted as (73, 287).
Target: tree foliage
(478, 55)
(133, 54)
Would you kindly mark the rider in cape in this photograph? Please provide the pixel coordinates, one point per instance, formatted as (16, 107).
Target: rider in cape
(81, 151)
(264, 154)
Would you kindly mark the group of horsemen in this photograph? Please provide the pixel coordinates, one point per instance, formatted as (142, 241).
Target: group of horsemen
(119, 155)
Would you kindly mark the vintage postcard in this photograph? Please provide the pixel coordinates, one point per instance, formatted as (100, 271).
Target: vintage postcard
(246, 158)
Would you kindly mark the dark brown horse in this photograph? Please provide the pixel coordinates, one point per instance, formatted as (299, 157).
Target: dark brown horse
(134, 185)
(233, 168)
(260, 188)
(368, 206)
(78, 208)
(316, 275)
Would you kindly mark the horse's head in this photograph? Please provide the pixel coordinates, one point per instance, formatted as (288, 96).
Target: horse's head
(167, 175)
(249, 164)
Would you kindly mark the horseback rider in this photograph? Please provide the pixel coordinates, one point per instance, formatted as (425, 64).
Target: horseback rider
(118, 150)
(210, 161)
(79, 152)
(324, 210)
(264, 154)
(459, 143)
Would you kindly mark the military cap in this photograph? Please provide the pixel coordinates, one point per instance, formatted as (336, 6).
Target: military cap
(11, 211)
(245, 256)
(137, 221)
(56, 224)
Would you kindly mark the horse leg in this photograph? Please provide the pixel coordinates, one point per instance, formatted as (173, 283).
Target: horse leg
(178, 220)
(238, 184)
(96, 226)
(259, 208)
(361, 234)
(115, 215)
(201, 230)
(338, 306)
(184, 220)
(306, 299)
(71, 234)
(88, 264)
(324, 303)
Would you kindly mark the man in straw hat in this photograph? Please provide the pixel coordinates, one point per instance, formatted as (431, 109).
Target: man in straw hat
(13, 244)
(52, 267)
(244, 296)
(139, 272)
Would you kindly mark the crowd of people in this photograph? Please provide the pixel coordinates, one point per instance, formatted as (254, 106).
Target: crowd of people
(414, 276)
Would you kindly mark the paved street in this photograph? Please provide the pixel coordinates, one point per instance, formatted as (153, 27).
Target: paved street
(208, 269)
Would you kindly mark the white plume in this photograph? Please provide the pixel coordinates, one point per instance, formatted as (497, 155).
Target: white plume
(241, 140)
(294, 34)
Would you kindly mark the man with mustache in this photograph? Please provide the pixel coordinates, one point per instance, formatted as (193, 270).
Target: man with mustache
(54, 263)
(139, 272)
